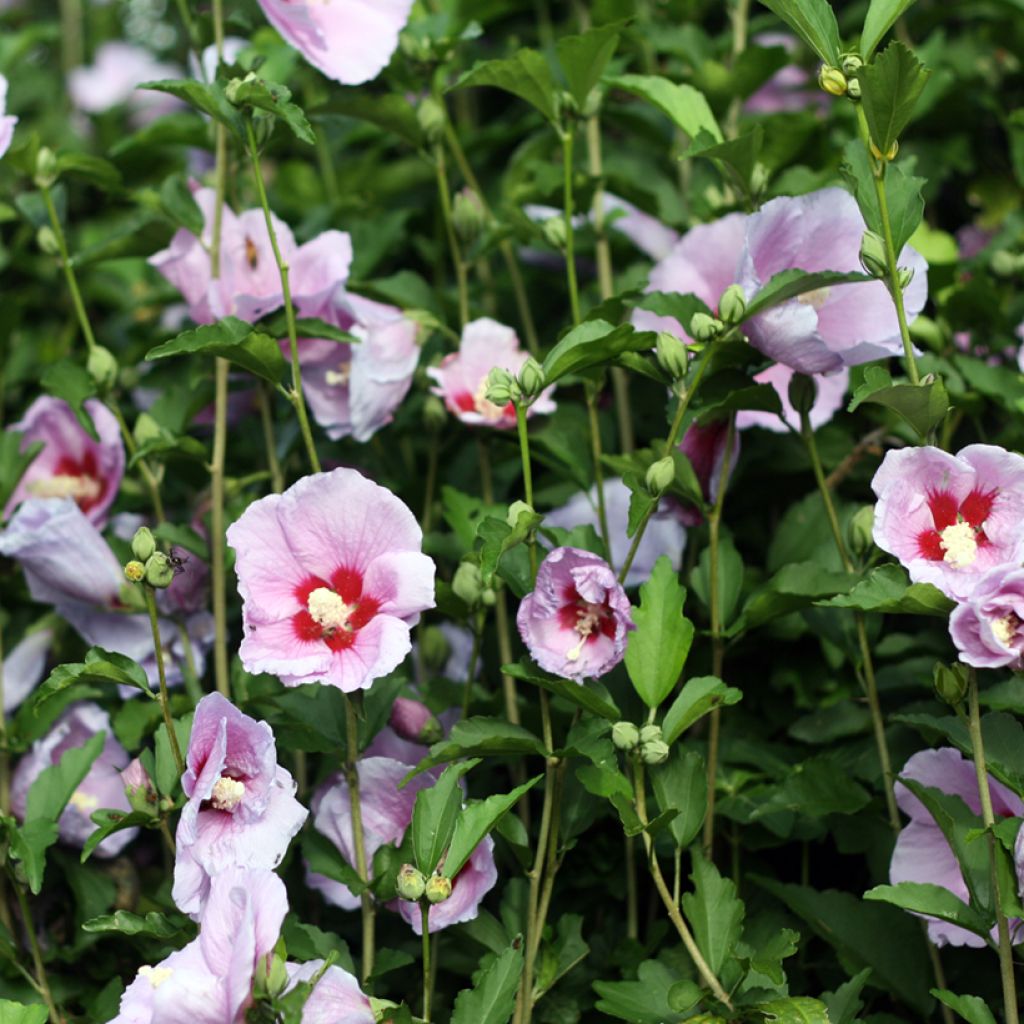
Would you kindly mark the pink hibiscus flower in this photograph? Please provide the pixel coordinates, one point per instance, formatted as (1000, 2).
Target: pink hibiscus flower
(987, 627)
(829, 398)
(7, 121)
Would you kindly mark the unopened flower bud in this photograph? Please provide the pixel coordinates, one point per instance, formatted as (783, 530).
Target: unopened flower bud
(434, 414)
(851, 64)
(47, 241)
(143, 543)
(46, 172)
(515, 510)
(431, 116)
(704, 327)
(650, 733)
(411, 883)
(468, 584)
(654, 752)
(672, 355)
(853, 89)
(592, 106)
(414, 721)
(502, 387)
(625, 735)
(468, 217)
(159, 571)
(138, 788)
(660, 475)
(905, 276)
(872, 255)
(434, 648)
(860, 532)
(802, 391)
(146, 429)
(438, 889)
(134, 572)
(554, 232)
(732, 306)
(889, 154)
(950, 683)
(832, 80)
(531, 378)
(277, 976)
(102, 367)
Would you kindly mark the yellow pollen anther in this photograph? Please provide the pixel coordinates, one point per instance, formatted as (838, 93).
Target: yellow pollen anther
(960, 544)
(156, 976)
(815, 299)
(227, 794)
(587, 618)
(490, 412)
(341, 376)
(327, 609)
(83, 802)
(1005, 629)
(81, 488)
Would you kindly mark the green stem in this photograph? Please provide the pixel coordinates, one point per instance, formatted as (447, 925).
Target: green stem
(524, 452)
(269, 441)
(632, 913)
(42, 982)
(359, 837)
(474, 660)
(427, 519)
(461, 277)
(165, 700)
(5, 783)
(192, 684)
(740, 17)
(1010, 1008)
(570, 244)
(218, 571)
(596, 455)
(296, 396)
(69, 270)
(72, 50)
(427, 987)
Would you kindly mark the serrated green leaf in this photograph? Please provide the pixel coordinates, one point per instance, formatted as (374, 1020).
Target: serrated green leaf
(152, 925)
(102, 667)
(481, 736)
(14, 461)
(888, 590)
(434, 816)
(592, 343)
(580, 694)
(714, 911)
(231, 339)
(93, 168)
(788, 284)
(493, 997)
(902, 195)
(583, 59)
(794, 1010)
(932, 901)
(109, 821)
(18, 1013)
(275, 99)
(890, 88)
(73, 384)
(681, 785)
(698, 697)
(684, 105)
(922, 406)
(525, 75)
(973, 1009)
(206, 97)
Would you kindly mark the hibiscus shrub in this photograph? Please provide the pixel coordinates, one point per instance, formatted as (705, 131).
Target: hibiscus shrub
(511, 511)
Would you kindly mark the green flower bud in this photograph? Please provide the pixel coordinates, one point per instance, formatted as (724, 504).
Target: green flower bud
(654, 752)
(853, 89)
(143, 543)
(47, 241)
(950, 682)
(515, 510)
(434, 648)
(905, 276)
(231, 90)
(438, 889)
(650, 733)
(435, 415)
(47, 171)
(872, 255)
(146, 429)
(531, 378)
(502, 387)
(134, 572)
(432, 118)
(851, 64)
(672, 355)
(732, 306)
(411, 883)
(832, 80)
(802, 391)
(704, 327)
(489, 598)
(277, 976)
(660, 475)
(554, 232)
(468, 217)
(860, 533)
(159, 571)
(1003, 263)
(625, 735)
(468, 583)
(102, 367)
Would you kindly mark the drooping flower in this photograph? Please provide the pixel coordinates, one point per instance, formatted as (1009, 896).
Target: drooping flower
(951, 518)
(71, 464)
(24, 666)
(665, 533)
(988, 628)
(350, 41)
(462, 376)
(336, 998)
(332, 578)
(101, 788)
(241, 810)
(210, 981)
(705, 447)
(7, 121)
(829, 398)
(823, 330)
(922, 853)
(575, 622)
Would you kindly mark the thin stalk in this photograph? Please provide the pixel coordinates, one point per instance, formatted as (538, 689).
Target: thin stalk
(149, 479)
(524, 452)
(1010, 1008)
(570, 243)
(5, 784)
(430, 486)
(192, 685)
(165, 831)
(72, 48)
(41, 981)
(461, 277)
(632, 916)
(708, 976)
(740, 17)
(359, 837)
(296, 396)
(69, 271)
(218, 571)
(596, 456)
(269, 440)
(427, 986)
(165, 701)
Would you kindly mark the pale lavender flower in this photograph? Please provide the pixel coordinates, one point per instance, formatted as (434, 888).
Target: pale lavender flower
(24, 667)
(829, 398)
(7, 121)
(987, 627)
(336, 998)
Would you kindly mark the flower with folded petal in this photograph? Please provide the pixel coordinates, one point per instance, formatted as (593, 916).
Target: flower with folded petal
(350, 41)
(951, 518)
(24, 666)
(210, 981)
(461, 379)
(922, 853)
(336, 998)
(7, 121)
(71, 464)
(101, 788)
(988, 628)
(332, 578)
(829, 398)
(241, 809)
(575, 622)
(826, 329)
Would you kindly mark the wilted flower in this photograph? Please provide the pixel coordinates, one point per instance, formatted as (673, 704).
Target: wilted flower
(332, 579)
(101, 788)
(350, 41)
(951, 518)
(829, 398)
(922, 853)
(241, 809)
(7, 121)
(71, 464)
(823, 330)
(462, 376)
(24, 666)
(988, 628)
(336, 998)
(575, 622)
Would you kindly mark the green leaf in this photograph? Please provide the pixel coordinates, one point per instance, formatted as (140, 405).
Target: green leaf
(888, 590)
(737, 157)
(481, 736)
(166, 775)
(109, 821)
(525, 75)
(493, 997)
(793, 587)
(18, 1013)
(208, 98)
(881, 16)
(592, 343)
(794, 1010)
(72, 383)
(902, 195)
(498, 538)
(323, 858)
(390, 112)
(434, 816)
(580, 694)
(697, 698)
(845, 1003)
(788, 284)
(559, 957)
(933, 901)
(678, 305)
(179, 204)
(714, 911)
(656, 650)
(231, 339)
(814, 22)
(922, 406)
(658, 996)
(93, 168)
(478, 820)
(684, 105)
(890, 88)
(153, 925)
(681, 785)
(183, 537)
(14, 461)
(583, 59)
(973, 1009)
(604, 779)
(275, 99)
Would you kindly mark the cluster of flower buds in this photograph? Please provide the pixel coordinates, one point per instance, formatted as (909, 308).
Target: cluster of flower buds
(468, 585)
(646, 741)
(413, 885)
(842, 81)
(705, 327)
(149, 566)
(503, 386)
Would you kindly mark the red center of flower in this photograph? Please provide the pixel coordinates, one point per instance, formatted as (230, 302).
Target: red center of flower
(72, 478)
(587, 619)
(333, 611)
(946, 512)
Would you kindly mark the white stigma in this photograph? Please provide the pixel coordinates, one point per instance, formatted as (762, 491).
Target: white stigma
(83, 802)
(1005, 629)
(341, 376)
(328, 610)
(81, 488)
(490, 412)
(960, 544)
(227, 793)
(815, 299)
(587, 618)
(156, 976)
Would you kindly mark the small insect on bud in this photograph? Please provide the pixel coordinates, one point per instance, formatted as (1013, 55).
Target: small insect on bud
(411, 883)
(134, 572)
(872, 255)
(159, 571)
(625, 735)
(704, 327)
(802, 391)
(432, 118)
(531, 378)
(468, 584)
(502, 387)
(650, 733)
(438, 889)
(860, 533)
(732, 306)
(659, 476)
(554, 232)
(851, 64)
(832, 80)
(47, 171)
(950, 682)
(654, 752)
(672, 355)
(468, 217)
(143, 543)
(102, 367)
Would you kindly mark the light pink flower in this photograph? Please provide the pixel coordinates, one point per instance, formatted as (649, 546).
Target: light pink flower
(350, 41)
(241, 809)
(71, 464)
(336, 998)
(987, 627)
(7, 121)
(210, 980)
(575, 622)
(922, 853)
(829, 398)
(101, 788)
(462, 376)
(24, 666)
(332, 578)
(951, 518)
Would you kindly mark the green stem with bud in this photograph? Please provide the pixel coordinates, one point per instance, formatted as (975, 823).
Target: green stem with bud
(165, 700)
